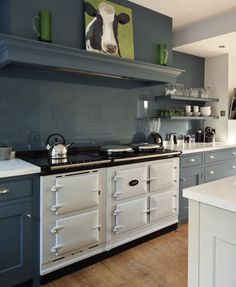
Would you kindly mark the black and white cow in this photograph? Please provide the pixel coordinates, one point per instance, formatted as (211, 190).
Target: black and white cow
(102, 32)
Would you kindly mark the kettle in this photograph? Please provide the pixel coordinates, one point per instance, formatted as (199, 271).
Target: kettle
(59, 148)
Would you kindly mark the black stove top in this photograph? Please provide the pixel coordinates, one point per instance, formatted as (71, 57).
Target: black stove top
(79, 159)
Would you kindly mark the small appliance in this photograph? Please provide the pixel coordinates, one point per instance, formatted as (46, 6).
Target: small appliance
(154, 126)
(209, 135)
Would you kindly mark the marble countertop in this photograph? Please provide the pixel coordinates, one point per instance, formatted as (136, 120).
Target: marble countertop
(198, 147)
(15, 167)
(220, 193)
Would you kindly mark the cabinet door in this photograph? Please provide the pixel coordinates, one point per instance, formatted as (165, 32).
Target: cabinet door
(16, 244)
(130, 182)
(162, 205)
(163, 175)
(188, 177)
(76, 232)
(76, 191)
(130, 215)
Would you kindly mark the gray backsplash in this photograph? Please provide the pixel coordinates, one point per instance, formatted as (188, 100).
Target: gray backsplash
(30, 110)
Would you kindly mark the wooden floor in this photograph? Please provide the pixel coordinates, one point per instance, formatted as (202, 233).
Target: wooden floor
(161, 262)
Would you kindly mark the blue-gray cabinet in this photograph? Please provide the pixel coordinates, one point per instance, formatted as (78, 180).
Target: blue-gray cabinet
(17, 228)
(188, 177)
(203, 167)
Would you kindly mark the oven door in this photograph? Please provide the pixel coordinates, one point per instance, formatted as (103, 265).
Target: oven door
(75, 191)
(76, 232)
(130, 215)
(163, 175)
(130, 182)
(163, 205)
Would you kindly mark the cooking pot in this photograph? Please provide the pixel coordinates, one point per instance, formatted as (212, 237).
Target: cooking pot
(59, 148)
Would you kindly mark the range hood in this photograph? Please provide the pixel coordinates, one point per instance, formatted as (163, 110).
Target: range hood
(30, 53)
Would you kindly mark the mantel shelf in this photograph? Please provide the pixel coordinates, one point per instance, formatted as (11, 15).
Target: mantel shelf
(32, 53)
(192, 99)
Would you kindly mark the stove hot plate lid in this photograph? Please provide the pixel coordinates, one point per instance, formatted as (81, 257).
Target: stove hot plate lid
(146, 146)
(115, 149)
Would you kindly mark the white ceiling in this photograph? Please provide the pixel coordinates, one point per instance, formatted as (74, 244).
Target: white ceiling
(189, 12)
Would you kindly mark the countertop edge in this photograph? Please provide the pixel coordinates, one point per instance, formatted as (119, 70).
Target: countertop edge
(196, 193)
(186, 148)
(17, 167)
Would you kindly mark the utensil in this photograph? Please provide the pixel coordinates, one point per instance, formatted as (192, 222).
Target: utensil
(58, 149)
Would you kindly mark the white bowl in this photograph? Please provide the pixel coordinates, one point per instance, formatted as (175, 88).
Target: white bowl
(205, 111)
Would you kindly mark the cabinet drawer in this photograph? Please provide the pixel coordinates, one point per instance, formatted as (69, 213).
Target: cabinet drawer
(218, 171)
(16, 187)
(191, 160)
(214, 156)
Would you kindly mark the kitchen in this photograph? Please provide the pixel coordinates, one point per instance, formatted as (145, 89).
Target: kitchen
(41, 94)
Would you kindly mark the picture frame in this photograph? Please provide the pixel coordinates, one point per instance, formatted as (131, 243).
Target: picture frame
(108, 28)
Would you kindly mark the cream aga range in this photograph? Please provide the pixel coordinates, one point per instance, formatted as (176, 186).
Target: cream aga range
(93, 202)
(141, 198)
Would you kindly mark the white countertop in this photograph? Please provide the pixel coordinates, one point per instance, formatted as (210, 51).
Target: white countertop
(15, 167)
(220, 193)
(198, 147)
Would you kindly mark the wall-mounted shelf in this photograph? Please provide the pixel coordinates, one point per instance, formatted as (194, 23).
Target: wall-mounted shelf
(189, 118)
(187, 99)
(51, 57)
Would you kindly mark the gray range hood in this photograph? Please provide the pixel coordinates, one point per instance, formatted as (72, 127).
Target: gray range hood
(31, 53)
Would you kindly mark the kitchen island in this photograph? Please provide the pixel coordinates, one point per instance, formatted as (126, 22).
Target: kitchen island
(212, 234)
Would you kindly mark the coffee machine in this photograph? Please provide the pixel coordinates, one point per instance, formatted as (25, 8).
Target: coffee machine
(209, 135)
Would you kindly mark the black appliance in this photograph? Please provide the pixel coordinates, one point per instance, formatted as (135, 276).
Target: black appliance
(157, 138)
(209, 135)
(81, 159)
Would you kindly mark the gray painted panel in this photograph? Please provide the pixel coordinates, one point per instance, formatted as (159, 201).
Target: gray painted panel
(150, 28)
(31, 109)
(194, 66)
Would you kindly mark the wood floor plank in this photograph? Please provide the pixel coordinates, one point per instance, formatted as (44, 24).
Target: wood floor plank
(161, 262)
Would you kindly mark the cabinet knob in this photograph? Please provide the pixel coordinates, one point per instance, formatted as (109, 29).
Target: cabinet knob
(234, 153)
(29, 216)
(192, 160)
(211, 172)
(233, 167)
(4, 190)
(211, 156)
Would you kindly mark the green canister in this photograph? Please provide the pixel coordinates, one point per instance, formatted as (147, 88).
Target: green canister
(162, 54)
(42, 25)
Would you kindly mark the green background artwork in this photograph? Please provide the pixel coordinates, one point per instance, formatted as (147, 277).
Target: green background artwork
(125, 32)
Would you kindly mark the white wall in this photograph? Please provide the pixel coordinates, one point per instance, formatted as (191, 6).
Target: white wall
(217, 78)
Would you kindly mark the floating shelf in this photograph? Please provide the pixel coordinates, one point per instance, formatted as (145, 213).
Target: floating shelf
(32, 53)
(189, 118)
(192, 99)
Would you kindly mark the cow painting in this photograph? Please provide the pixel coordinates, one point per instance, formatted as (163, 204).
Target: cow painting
(101, 32)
